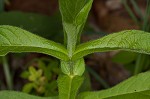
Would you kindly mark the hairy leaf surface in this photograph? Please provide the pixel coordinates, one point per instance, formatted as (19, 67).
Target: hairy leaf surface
(74, 15)
(13, 39)
(20, 95)
(129, 40)
(136, 87)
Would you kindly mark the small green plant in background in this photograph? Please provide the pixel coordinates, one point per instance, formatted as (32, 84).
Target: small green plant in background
(42, 78)
(74, 14)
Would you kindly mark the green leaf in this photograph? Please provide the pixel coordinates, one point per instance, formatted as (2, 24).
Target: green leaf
(75, 11)
(34, 74)
(68, 86)
(47, 26)
(13, 39)
(136, 87)
(25, 74)
(74, 15)
(73, 67)
(129, 40)
(124, 57)
(19, 95)
(28, 87)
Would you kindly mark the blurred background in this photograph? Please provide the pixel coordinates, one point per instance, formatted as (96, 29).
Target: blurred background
(36, 74)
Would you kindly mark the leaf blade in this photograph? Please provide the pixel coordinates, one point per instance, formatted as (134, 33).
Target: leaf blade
(20, 95)
(47, 26)
(136, 87)
(129, 40)
(13, 39)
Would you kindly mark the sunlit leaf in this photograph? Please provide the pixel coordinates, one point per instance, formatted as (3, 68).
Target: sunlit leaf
(136, 87)
(129, 40)
(13, 39)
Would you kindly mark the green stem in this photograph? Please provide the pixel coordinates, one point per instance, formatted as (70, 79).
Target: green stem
(136, 8)
(71, 66)
(68, 86)
(130, 12)
(140, 63)
(98, 78)
(146, 24)
(7, 73)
